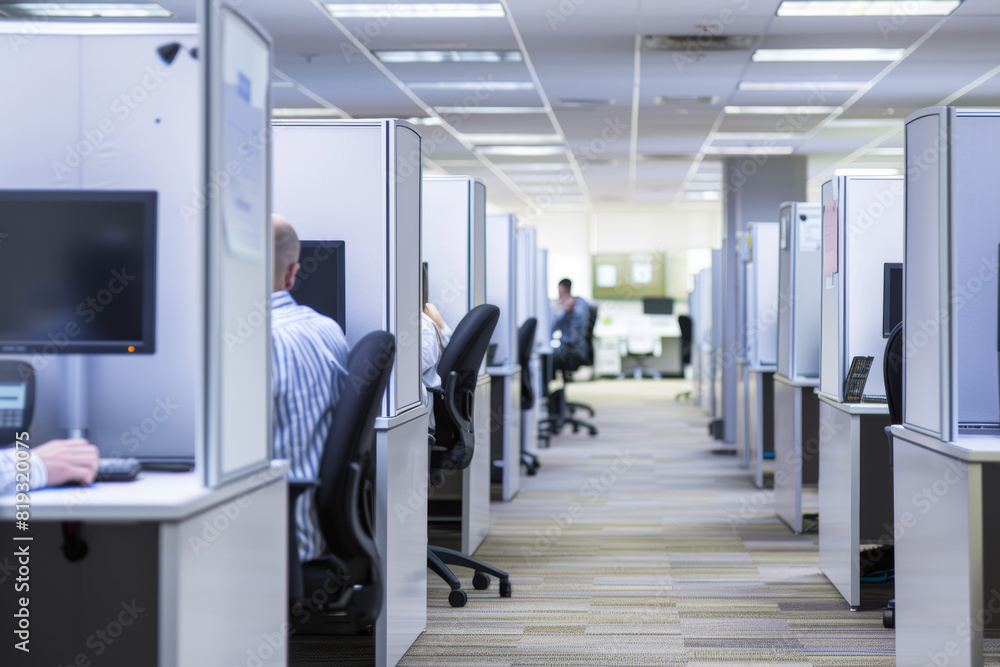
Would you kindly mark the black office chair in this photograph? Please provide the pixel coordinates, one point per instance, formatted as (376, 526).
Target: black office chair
(348, 576)
(684, 322)
(525, 343)
(892, 373)
(455, 438)
(561, 411)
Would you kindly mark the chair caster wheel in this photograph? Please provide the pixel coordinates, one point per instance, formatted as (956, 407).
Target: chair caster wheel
(457, 598)
(593, 432)
(505, 588)
(481, 581)
(889, 618)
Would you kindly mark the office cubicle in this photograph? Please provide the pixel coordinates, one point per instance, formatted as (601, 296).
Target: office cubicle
(800, 272)
(453, 237)
(68, 139)
(526, 306)
(718, 354)
(950, 377)
(359, 181)
(501, 291)
(762, 304)
(862, 231)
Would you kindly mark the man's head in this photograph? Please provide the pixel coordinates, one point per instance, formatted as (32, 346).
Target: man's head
(565, 288)
(286, 253)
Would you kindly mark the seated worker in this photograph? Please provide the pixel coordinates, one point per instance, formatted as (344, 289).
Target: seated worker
(571, 320)
(54, 463)
(434, 337)
(308, 370)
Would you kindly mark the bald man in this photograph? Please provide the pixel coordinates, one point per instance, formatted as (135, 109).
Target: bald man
(310, 358)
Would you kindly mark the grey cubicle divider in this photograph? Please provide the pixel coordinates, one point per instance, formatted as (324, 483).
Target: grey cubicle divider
(236, 61)
(800, 279)
(863, 224)
(762, 295)
(359, 181)
(950, 273)
(526, 304)
(543, 308)
(718, 354)
(454, 244)
(501, 272)
(79, 133)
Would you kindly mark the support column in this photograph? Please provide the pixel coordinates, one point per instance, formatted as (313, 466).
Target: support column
(754, 187)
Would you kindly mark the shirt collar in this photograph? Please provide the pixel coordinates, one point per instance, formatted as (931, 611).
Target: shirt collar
(282, 299)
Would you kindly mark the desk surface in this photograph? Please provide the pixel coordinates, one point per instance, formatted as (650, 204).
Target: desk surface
(763, 369)
(797, 382)
(153, 496)
(972, 445)
(501, 371)
(855, 408)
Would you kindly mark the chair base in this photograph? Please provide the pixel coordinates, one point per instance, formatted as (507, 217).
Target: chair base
(573, 407)
(531, 462)
(438, 560)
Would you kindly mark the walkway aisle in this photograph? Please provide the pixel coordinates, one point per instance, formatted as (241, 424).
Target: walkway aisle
(641, 547)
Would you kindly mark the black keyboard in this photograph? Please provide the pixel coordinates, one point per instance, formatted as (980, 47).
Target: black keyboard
(118, 470)
(872, 398)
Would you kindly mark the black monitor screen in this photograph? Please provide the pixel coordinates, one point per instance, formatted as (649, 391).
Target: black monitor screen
(319, 283)
(78, 272)
(892, 298)
(658, 306)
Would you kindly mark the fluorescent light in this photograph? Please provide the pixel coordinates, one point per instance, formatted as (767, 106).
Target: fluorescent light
(855, 123)
(868, 7)
(424, 10)
(866, 172)
(533, 167)
(749, 150)
(308, 112)
(703, 195)
(281, 83)
(428, 120)
(489, 110)
(522, 151)
(803, 86)
(449, 56)
(848, 55)
(86, 10)
(888, 150)
(482, 84)
(523, 139)
(800, 110)
(755, 136)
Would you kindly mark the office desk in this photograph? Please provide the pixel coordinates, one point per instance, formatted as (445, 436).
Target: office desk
(760, 419)
(176, 574)
(506, 425)
(855, 493)
(796, 446)
(947, 524)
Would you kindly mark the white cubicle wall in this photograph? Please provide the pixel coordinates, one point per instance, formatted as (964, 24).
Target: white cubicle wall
(718, 354)
(359, 181)
(501, 290)
(761, 281)
(454, 244)
(526, 277)
(799, 286)
(950, 377)
(543, 307)
(862, 231)
(704, 342)
(119, 118)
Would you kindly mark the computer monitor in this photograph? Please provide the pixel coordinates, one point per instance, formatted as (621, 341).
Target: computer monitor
(77, 272)
(319, 283)
(892, 297)
(658, 306)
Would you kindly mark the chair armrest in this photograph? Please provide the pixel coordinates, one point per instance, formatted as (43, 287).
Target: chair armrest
(296, 487)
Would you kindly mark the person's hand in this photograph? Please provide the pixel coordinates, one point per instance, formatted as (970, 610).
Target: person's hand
(73, 460)
(432, 312)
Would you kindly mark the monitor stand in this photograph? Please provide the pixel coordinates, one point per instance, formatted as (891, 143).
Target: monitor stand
(73, 406)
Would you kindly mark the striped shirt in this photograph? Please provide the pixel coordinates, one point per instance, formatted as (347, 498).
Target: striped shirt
(309, 372)
(39, 474)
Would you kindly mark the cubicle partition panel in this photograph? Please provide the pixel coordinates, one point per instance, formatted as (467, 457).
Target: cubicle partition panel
(454, 244)
(119, 118)
(360, 182)
(527, 306)
(704, 342)
(719, 356)
(799, 282)
(951, 319)
(863, 224)
(453, 236)
(501, 272)
(762, 303)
